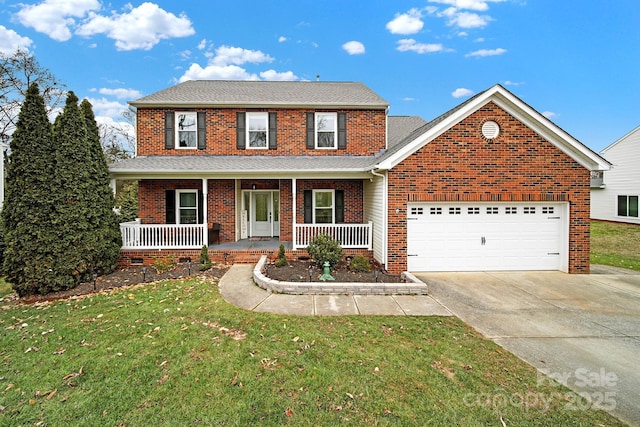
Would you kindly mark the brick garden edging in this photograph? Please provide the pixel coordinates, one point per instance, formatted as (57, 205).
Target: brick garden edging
(413, 285)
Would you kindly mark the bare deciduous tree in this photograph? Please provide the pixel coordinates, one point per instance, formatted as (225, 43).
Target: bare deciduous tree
(17, 72)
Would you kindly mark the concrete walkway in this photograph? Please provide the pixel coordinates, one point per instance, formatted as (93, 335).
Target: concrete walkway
(237, 288)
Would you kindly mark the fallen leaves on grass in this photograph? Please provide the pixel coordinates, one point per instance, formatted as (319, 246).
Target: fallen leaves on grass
(235, 334)
(68, 378)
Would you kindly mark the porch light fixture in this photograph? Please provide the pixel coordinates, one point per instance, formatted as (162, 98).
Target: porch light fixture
(253, 186)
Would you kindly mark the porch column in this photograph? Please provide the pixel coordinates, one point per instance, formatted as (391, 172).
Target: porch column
(294, 185)
(205, 211)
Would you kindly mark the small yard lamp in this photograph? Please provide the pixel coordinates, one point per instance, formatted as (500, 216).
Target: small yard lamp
(189, 266)
(326, 275)
(376, 273)
(310, 271)
(95, 277)
(144, 274)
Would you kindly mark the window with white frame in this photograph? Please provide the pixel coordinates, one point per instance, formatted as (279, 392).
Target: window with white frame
(326, 130)
(628, 206)
(323, 206)
(257, 125)
(187, 204)
(186, 129)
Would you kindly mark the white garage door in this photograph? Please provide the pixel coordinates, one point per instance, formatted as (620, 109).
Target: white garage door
(487, 236)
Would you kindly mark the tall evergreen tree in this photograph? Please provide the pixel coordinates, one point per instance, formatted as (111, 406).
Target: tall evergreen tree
(26, 216)
(73, 215)
(104, 255)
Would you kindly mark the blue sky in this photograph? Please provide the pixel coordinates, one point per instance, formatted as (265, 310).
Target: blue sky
(576, 61)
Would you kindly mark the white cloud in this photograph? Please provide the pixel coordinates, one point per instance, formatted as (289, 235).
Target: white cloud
(121, 93)
(140, 28)
(487, 52)
(479, 5)
(468, 20)
(406, 23)
(282, 39)
(107, 108)
(511, 83)
(461, 92)
(217, 72)
(10, 41)
(202, 45)
(272, 75)
(406, 45)
(353, 47)
(226, 55)
(55, 17)
(549, 114)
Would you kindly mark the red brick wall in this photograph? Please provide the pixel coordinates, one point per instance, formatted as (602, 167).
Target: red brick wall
(353, 197)
(365, 134)
(517, 165)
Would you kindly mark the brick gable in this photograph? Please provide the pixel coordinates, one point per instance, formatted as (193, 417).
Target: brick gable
(462, 165)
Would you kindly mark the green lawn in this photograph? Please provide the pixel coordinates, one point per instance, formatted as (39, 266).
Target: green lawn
(615, 244)
(175, 353)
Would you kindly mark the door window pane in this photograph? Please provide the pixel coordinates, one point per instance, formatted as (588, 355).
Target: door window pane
(262, 207)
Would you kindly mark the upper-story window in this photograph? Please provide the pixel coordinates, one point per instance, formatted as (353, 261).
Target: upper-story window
(326, 130)
(186, 129)
(257, 126)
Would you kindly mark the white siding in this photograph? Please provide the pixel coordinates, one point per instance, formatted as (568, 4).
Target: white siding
(374, 194)
(622, 179)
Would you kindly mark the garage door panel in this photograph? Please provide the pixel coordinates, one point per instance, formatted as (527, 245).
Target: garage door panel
(499, 236)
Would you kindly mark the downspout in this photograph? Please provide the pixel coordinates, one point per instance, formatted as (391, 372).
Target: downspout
(385, 216)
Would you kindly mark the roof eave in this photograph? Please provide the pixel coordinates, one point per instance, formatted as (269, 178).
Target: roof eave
(312, 106)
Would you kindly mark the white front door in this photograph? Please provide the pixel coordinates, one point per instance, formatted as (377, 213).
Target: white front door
(264, 213)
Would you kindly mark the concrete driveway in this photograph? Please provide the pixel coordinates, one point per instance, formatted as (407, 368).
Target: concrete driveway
(583, 330)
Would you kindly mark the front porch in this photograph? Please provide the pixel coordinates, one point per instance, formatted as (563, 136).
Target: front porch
(141, 243)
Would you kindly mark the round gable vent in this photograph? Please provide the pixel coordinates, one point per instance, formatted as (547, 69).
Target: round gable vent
(490, 129)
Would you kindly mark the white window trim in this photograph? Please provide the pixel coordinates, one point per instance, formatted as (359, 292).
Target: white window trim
(618, 205)
(179, 208)
(333, 206)
(264, 116)
(335, 130)
(177, 130)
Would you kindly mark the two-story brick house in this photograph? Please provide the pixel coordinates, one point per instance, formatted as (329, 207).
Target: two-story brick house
(489, 185)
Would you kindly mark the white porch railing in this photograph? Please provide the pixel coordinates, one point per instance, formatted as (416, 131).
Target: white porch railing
(349, 235)
(162, 236)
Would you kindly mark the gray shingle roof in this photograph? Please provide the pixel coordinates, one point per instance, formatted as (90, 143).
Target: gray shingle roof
(264, 93)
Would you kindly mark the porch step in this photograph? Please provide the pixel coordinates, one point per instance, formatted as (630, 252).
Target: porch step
(239, 257)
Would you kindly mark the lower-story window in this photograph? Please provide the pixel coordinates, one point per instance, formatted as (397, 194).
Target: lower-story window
(187, 204)
(323, 206)
(628, 206)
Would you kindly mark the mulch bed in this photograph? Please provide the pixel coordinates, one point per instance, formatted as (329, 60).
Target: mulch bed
(298, 271)
(125, 277)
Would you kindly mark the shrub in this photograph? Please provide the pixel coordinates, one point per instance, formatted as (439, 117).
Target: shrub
(360, 263)
(164, 264)
(205, 261)
(324, 248)
(282, 258)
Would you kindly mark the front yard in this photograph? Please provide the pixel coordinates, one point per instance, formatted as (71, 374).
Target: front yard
(615, 244)
(175, 353)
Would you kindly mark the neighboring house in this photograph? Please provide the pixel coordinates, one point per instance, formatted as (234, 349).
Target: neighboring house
(489, 185)
(614, 194)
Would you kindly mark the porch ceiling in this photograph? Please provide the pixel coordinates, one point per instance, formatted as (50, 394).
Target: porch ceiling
(244, 166)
